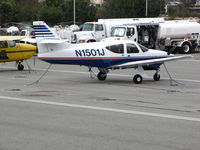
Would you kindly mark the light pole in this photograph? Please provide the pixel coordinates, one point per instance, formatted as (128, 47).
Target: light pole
(74, 12)
(146, 8)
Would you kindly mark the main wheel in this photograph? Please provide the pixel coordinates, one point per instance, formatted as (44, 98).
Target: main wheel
(156, 77)
(137, 79)
(102, 76)
(20, 67)
(186, 48)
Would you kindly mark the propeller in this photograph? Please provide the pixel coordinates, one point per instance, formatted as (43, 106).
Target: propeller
(171, 50)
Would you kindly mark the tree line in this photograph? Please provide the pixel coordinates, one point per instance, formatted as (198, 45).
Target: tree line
(57, 11)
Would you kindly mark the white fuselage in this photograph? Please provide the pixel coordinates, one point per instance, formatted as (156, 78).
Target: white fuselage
(98, 54)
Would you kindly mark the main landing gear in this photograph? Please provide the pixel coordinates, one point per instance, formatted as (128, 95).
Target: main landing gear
(102, 76)
(138, 78)
(20, 67)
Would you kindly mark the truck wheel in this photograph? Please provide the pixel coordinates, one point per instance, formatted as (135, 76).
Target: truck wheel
(90, 41)
(185, 48)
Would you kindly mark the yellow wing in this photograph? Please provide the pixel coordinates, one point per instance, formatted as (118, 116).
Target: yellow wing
(5, 38)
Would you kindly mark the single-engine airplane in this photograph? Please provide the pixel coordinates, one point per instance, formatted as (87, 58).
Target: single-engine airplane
(12, 51)
(118, 54)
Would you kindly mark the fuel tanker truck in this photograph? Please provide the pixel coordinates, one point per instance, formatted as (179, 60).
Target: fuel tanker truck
(184, 35)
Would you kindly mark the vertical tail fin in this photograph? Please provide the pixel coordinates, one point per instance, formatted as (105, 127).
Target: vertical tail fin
(47, 39)
(43, 31)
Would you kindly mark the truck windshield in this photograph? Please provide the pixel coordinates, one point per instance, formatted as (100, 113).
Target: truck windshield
(144, 49)
(119, 32)
(88, 27)
(23, 33)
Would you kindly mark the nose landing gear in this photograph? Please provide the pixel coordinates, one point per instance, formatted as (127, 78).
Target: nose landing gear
(156, 76)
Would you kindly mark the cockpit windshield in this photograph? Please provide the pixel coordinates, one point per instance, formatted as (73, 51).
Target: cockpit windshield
(118, 32)
(144, 49)
(12, 43)
(88, 27)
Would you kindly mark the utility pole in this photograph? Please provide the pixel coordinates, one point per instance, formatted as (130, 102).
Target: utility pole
(160, 7)
(146, 8)
(74, 12)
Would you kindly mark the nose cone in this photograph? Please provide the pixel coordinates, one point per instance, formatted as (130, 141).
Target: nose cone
(28, 50)
(28, 47)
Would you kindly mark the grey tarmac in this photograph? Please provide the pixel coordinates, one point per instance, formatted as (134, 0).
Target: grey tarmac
(67, 109)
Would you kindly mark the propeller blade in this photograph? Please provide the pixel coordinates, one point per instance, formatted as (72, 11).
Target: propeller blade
(171, 50)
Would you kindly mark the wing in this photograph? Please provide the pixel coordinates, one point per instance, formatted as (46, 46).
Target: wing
(152, 61)
(5, 38)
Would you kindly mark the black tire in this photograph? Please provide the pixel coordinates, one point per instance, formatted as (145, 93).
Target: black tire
(102, 76)
(90, 41)
(137, 79)
(185, 48)
(156, 77)
(20, 67)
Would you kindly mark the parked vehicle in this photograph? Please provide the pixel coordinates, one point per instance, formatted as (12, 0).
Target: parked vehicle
(96, 31)
(183, 34)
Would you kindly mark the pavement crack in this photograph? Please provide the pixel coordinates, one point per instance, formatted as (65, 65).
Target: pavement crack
(157, 108)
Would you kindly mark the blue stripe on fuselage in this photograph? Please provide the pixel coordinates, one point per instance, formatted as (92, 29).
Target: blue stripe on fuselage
(104, 62)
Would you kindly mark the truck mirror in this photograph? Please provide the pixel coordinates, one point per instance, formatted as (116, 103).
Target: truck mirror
(128, 34)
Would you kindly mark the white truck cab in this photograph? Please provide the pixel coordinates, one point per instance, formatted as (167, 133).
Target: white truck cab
(95, 31)
(91, 32)
(125, 32)
(144, 33)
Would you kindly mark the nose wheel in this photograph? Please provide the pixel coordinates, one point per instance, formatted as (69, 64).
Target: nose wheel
(156, 76)
(20, 67)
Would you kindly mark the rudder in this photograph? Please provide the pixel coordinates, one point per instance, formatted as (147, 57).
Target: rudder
(43, 31)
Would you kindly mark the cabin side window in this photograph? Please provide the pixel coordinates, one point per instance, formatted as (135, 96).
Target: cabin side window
(3, 44)
(132, 48)
(119, 48)
(144, 49)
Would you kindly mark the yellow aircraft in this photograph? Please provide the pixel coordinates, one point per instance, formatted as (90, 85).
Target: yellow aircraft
(12, 51)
